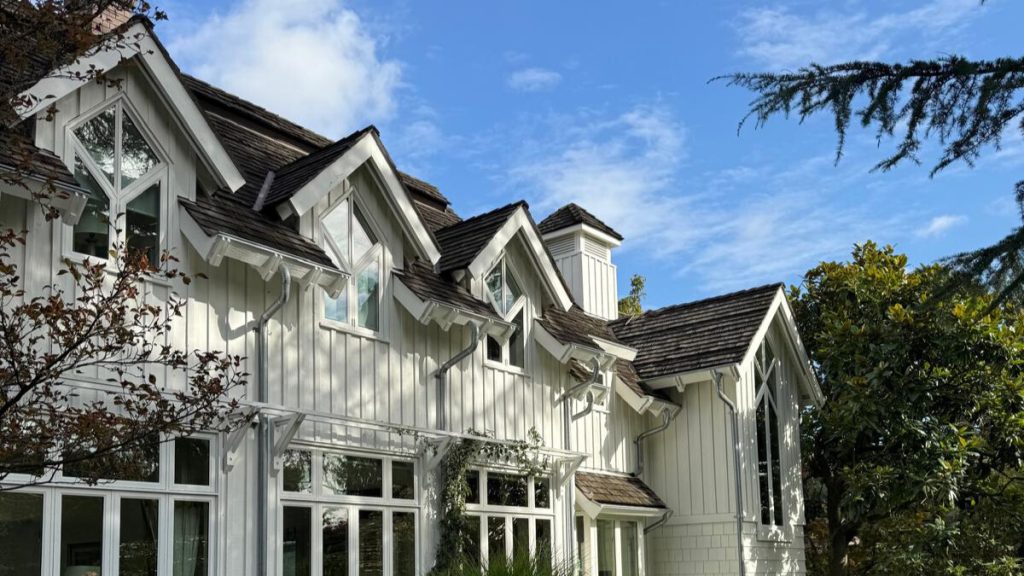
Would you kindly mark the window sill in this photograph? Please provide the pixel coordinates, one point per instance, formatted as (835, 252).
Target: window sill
(779, 534)
(353, 330)
(111, 268)
(508, 368)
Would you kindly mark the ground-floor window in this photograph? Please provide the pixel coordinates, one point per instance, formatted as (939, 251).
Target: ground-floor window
(148, 526)
(348, 515)
(510, 515)
(609, 547)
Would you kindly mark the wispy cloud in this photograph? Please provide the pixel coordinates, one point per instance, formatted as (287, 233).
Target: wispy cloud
(630, 170)
(534, 79)
(781, 38)
(939, 225)
(313, 61)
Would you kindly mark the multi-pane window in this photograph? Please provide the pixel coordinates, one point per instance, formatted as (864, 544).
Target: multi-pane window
(356, 249)
(144, 525)
(609, 547)
(769, 461)
(510, 515)
(359, 512)
(508, 300)
(123, 174)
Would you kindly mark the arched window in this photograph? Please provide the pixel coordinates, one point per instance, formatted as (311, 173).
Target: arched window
(769, 433)
(355, 248)
(123, 174)
(508, 300)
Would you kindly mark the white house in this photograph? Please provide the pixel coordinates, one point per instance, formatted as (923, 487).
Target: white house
(672, 437)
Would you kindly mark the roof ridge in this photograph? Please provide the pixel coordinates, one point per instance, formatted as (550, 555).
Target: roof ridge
(326, 150)
(708, 300)
(471, 219)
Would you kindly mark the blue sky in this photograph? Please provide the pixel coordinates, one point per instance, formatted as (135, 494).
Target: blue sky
(608, 104)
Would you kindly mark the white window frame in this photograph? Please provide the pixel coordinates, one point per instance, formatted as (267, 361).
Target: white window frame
(530, 512)
(590, 553)
(118, 197)
(164, 491)
(770, 531)
(377, 253)
(520, 305)
(318, 500)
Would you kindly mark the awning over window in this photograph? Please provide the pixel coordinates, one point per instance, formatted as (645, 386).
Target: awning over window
(607, 494)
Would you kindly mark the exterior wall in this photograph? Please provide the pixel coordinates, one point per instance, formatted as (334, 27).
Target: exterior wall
(319, 367)
(586, 266)
(691, 468)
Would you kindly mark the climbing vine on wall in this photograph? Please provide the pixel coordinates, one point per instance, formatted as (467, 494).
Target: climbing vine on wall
(453, 489)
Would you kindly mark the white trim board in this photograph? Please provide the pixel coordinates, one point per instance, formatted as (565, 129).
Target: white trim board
(143, 45)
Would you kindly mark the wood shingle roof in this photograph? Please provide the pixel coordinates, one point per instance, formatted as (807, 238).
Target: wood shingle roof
(698, 335)
(617, 490)
(571, 215)
(460, 243)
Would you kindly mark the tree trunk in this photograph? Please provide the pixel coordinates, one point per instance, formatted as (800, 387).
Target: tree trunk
(838, 533)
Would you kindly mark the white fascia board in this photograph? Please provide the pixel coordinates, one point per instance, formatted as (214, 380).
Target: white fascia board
(520, 222)
(595, 509)
(620, 351)
(780, 307)
(427, 311)
(266, 261)
(638, 403)
(366, 149)
(140, 42)
(563, 352)
(586, 229)
(684, 379)
(70, 202)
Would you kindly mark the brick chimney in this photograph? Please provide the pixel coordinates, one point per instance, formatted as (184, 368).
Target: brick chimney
(113, 16)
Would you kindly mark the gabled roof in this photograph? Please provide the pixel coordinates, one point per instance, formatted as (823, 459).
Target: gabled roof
(617, 490)
(291, 177)
(137, 40)
(463, 241)
(572, 214)
(699, 335)
(574, 326)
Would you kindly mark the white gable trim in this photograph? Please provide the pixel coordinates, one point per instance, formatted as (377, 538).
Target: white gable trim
(586, 228)
(519, 221)
(266, 261)
(427, 311)
(642, 403)
(186, 114)
(566, 352)
(780, 307)
(367, 149)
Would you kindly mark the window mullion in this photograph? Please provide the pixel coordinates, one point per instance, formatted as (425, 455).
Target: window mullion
(118, 120)
(768, 460)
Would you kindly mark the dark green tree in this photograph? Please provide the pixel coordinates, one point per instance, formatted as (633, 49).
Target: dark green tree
(915, 455)
(966, 106)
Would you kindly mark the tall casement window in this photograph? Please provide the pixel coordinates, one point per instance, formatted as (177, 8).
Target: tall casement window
(510, 515)
(609, 547)
(351, 241)
(508, 300)
(348, 515)
(124, 175)
(769, 434)
(160, 521)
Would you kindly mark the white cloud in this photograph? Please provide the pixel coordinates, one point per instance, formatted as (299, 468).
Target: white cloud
(779, 39)
(939, 225)
(534, 79)
(312, 61)
(733, 228)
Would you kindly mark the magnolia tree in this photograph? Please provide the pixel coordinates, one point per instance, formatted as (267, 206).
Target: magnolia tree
(94, 324)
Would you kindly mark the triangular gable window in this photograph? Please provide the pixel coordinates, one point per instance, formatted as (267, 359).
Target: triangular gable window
(123, 174)
(355, 248)
(508, 300)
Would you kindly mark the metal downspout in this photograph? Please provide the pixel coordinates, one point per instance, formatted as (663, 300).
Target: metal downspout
(570, 489)
(442, 375)
(263, 426)
(717, 376)
(667, 416)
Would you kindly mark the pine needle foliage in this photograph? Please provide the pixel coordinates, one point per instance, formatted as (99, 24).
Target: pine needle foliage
(967, 106)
